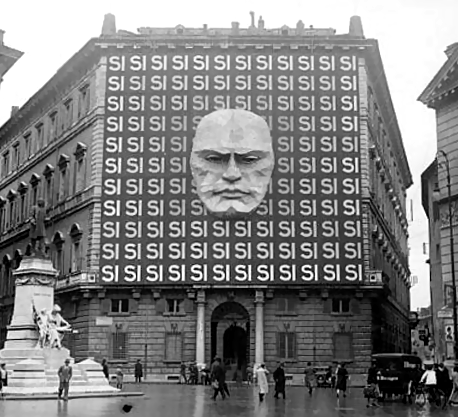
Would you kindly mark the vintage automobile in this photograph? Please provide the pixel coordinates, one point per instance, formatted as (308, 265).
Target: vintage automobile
(322, 376)
(396, 372)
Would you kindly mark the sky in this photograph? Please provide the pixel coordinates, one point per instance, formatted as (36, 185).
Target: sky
(412, 35)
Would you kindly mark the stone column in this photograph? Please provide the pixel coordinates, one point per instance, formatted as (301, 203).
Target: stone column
(259, 328)
(200, 329)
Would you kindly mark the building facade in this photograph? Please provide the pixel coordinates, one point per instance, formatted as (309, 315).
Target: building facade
(79, 142)
(442, 95)
(8, 57)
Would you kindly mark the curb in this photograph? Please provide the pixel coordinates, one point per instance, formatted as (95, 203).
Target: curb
(32, 397)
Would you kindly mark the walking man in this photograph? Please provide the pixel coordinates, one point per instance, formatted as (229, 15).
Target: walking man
(309, 377)
(218, 379)
(280, 381)
(138, 372)
(65, 374)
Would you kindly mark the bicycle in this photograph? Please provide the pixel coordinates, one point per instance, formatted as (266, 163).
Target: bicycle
(425, 394)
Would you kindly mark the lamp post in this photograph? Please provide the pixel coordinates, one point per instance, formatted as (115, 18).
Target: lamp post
(452, 252)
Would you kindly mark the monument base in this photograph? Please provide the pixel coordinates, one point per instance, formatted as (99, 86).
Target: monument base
(39, 375)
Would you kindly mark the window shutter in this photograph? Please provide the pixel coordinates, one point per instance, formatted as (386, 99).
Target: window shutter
(327, 306)
(354, 306)
(188, 305)
(133, 305)
(161, 306)
(105, 305)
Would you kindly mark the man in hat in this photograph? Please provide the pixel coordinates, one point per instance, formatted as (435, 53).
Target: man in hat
(280, 381)
(65, 374)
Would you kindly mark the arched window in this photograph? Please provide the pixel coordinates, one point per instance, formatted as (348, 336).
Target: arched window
(58, 254)
(76, 259)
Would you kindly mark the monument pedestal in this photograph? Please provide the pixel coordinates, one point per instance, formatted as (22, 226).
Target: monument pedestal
(32, 370)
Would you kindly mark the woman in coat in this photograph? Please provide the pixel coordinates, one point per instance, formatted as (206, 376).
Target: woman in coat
(261, 375)
(454, 395)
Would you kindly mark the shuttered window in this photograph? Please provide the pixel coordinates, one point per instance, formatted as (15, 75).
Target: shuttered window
(118, 345)
(286, 345)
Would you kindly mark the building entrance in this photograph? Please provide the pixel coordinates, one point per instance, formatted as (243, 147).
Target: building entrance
(230, 330)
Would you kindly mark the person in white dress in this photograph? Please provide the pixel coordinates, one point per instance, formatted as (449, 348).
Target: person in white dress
(261, 376)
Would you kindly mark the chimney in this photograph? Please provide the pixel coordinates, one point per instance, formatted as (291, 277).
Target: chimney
(2, 32)
(252, 20)
(451, 49)
(109, 25)
(261, 23)
(235, 28)
(356, 27)
(14, 110)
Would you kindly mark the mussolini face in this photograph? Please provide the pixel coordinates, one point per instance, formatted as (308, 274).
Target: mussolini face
(232, 161)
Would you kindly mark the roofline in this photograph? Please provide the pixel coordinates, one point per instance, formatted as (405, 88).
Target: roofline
(12, 56)
(406, 172)
(424, 96)
(49, 86)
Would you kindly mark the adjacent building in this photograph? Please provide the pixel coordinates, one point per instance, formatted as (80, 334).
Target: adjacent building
(319, 273)
(8, 57)
(441, 94)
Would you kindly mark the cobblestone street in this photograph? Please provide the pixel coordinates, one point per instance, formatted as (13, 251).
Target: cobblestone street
(191, 401)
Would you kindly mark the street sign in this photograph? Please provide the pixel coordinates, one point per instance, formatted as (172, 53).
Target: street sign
(445, 313)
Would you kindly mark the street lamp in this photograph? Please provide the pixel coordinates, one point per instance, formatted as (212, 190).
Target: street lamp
(452, 251)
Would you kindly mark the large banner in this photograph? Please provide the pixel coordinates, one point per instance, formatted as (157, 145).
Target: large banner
(155, 229)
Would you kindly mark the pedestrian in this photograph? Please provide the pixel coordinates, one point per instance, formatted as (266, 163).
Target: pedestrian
(371, 392)
(429, 378)
(261, 376)
(119, 378)
(3, 377)
(138, 372)
(249, 375)
(183, 373)
(218, 379)
(454, 395)
(225, 387)
(342, 377)
(105, 369)
(280, 381)
(309, 379)
(444, 383)
(65, 374)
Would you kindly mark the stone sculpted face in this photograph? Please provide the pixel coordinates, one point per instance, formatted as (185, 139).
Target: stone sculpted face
(232, 161)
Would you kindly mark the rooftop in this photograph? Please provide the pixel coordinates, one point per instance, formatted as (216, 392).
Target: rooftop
(8, 56)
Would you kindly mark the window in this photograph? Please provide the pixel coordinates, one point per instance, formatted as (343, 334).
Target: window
(17, 155)
(286, 305)
(343, 346)
(174, 306)
(340, 305)
(40, 136)
(68, 119)
(286, 345)
(79, 172)
(84, 101)
(52, 126)
(120, 306)
(6, 164)
(48, 190)
(118, 346)
(58, 253)
(62, 191)
(173, 346)
(23, 209)
(27, 146)
(2, 218)
(76, 259)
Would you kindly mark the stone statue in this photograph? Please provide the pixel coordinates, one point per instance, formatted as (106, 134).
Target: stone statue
(232, 161)
(37, 229)
(51, 327)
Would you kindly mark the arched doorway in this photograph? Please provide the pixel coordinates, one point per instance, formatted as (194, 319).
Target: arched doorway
(230, 330)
